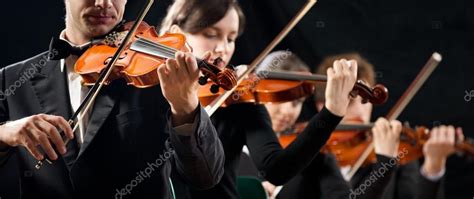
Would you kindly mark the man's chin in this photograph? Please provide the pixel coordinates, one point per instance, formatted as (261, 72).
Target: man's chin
(100, 30)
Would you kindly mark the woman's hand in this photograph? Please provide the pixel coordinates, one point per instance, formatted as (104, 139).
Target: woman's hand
(439, 147)
(341, 80)
(386, 137)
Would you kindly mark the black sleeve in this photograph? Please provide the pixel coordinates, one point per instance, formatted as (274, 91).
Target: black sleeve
(407, 178)
(275, 164)
(200, 156)
(428, 189)
(5, 153)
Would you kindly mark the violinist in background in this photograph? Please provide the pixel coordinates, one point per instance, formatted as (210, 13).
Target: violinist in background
(408, 181)
(127, 144)
(322, 178)
(214, 25)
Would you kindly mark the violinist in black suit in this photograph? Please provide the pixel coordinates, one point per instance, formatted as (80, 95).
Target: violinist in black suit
(127, 144)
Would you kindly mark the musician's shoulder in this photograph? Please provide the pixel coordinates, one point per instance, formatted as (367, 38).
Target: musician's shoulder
(36, 62)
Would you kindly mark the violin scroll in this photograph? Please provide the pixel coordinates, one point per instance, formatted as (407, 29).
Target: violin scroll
(375, 95)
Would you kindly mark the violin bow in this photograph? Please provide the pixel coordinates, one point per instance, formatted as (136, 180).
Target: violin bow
(94, 91)
(214, 105)
(402, 102)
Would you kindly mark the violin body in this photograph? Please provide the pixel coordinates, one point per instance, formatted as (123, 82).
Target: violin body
(139, 69)
(347, 146)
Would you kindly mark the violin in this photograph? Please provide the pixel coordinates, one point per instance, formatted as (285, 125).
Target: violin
(349, 141)
(278, 87)
(260, 91)
(139, 61)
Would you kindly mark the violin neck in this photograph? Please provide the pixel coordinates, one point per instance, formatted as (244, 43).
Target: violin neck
(354, 127)
(466, 147)
(291, 76)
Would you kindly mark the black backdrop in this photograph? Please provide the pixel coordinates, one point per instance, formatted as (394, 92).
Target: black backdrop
(396, 36)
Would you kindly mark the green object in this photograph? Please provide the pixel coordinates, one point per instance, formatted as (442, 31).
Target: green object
(250, 188)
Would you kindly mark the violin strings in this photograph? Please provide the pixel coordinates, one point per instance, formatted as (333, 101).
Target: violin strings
(162, 48)
(145, 46)
(167, 49)
(141, 44)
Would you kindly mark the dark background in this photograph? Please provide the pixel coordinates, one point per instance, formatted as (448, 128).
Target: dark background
(396, 36)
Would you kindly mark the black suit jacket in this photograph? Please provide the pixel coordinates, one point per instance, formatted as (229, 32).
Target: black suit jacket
(129, 147)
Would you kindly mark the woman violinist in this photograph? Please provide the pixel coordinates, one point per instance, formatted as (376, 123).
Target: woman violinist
(214, 25)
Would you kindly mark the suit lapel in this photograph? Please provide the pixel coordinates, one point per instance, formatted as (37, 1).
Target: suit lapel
(102, 107)
(50, 87)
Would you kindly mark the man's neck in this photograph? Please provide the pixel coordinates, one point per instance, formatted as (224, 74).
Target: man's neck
(74, 39)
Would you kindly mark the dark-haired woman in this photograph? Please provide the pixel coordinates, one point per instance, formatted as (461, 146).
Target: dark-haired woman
(214, 25)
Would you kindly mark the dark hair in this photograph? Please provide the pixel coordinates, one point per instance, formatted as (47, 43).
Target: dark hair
(195, 15)
(365, 71)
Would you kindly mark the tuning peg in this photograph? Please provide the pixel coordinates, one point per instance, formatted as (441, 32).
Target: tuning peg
(203, 80)
(230, 66)
(214, 88)
(217, 61)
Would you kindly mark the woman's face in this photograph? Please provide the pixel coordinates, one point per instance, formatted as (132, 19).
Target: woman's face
(284, 115)
(357, 111)
(218, 38)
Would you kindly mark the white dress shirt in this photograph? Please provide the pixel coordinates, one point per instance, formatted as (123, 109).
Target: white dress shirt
(77, 92)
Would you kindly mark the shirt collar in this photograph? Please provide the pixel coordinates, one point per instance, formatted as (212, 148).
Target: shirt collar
(62, 36)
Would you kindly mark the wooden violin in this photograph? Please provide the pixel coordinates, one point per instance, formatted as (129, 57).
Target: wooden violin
(349, 141)
(140, 59)
(260, 91)
(276, 87)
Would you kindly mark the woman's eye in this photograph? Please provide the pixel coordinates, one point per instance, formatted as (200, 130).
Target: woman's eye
(210, 35)
(296, 103)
